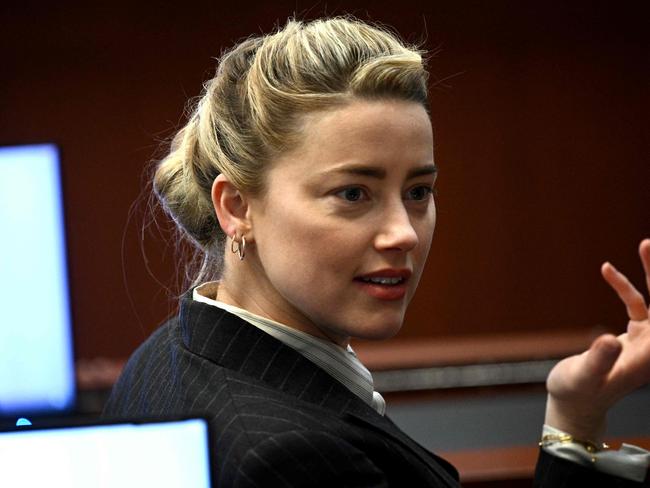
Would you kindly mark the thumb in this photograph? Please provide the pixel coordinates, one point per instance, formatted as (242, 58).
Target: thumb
(601, 356)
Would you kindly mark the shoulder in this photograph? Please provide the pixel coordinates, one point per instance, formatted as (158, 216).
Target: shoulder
(240, 406)
(261, 436)
(146, 370)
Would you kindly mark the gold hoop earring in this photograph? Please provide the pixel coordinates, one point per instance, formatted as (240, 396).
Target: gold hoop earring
(240, 250)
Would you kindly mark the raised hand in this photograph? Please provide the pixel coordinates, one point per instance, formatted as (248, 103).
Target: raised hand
(582, 388)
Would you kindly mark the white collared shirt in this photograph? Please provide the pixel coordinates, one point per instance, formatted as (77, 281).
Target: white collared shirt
(340, 363)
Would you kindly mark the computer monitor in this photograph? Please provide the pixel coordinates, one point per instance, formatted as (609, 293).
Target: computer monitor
(167, 454)
(36, 358)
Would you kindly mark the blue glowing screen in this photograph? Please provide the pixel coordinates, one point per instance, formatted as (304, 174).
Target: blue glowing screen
(36, 363)
(164, 455)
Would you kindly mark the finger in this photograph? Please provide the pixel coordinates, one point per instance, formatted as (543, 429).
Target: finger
(644, 252)
(602, 355)
(633, 300)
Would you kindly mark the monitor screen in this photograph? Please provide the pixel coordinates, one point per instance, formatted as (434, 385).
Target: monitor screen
(36, 362)
(161, 454)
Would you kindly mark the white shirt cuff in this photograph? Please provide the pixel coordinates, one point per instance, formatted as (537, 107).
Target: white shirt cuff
(629, 462)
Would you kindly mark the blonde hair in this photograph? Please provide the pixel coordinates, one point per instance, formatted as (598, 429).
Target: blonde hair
(251, 111)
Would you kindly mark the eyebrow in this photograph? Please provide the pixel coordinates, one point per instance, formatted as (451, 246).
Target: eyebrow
(380, 173)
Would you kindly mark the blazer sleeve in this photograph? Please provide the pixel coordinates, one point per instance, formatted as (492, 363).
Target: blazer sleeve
(555, 472)
(298, 459)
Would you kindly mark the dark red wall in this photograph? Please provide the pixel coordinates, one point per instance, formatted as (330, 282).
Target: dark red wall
(541, 125)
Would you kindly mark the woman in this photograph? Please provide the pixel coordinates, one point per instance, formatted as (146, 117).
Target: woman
(305, 176)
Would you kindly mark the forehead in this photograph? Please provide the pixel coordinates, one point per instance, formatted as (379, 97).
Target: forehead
(390, 133)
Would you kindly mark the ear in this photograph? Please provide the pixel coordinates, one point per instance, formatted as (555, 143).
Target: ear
(231, 207)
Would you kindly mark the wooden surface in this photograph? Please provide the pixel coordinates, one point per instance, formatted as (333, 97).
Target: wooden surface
(498, 347)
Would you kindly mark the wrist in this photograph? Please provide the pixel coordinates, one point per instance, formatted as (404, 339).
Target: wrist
(581, 423)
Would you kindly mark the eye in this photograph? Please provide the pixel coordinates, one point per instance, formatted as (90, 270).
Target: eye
(352, 194)
(419, 193)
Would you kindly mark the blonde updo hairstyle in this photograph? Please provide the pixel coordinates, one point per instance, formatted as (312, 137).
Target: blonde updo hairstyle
(252, 109)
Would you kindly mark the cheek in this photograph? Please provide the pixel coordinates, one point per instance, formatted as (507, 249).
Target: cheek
(425, 228)
(425, 236)
(299, 248)
(326, 251)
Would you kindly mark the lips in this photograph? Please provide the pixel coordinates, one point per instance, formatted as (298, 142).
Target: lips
(385, 284)
(382, 280)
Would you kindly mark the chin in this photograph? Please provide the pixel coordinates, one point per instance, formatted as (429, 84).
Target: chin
(378, 332)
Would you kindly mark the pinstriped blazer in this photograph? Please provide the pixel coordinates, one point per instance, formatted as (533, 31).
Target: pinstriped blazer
(276, 418)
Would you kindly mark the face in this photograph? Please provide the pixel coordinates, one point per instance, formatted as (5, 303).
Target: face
(342, 232)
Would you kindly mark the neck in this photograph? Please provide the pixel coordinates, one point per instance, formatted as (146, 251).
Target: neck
(242, 287)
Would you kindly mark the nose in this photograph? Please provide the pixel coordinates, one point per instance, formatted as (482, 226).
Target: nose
(396, 230)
